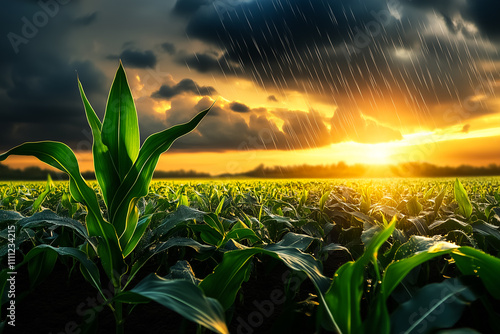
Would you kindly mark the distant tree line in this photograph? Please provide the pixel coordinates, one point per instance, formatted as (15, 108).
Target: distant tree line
(339, 170)
(342, 170)
(36, 173)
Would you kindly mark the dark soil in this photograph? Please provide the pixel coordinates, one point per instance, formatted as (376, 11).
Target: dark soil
(60, 304)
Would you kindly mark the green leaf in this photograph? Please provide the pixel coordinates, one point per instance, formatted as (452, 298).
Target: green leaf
(417, 244)
(163, 246)
(323, 199)
(449, 225)
(60, 156)
(38, 202)
(182, 270)
(413, 206)
(219, 207)
(120, 128)
(299, 241)
(397, 271)
(439, 200)
(136, 183)
(471, 261)
(142, 225)
(464, 204)
(435, 306)
(9, 216)
(489, 231)
(40, 267)
(105, 169)
(213, 221)
(180, 296)
(183, 200)
(47, 217)
(89, 269)
(225, 282)
(240, 234)
(181, 215)
(343, 298)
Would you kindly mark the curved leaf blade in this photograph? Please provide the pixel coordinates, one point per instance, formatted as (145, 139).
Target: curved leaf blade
(398, 270)
(435, 306)
(47, 217)
(180, 296)
(471, 261)
(60, 156)
(91, 270)
(225, 282)
(120, 127)
(136, 183)
(464, 204)
(343, 298)
(105, 170)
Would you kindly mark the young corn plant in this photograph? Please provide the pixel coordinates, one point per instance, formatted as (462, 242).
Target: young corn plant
(124, 170)
(341, 308)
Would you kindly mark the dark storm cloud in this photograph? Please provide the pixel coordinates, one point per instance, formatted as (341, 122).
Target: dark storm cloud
(42, 102)
(189, 7)
(168, 48)
(39, 95)
(484, 13)
(136, 58)
(239, 107)
(225, 129)
(356, 55)
(86, 20)
(272, 98)
(184, 86)
(207, 62)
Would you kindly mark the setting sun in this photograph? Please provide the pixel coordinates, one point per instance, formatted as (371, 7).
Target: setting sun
(378, 154)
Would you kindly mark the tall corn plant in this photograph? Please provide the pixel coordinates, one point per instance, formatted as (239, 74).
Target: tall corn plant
(124, 171)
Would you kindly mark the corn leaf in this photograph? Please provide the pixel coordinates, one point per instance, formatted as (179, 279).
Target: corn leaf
(343, 298)
(142, 225)
(398, 270)
(471, 261)
(464, 204)
(89, 269)
(157, 248)
(435, 306)
(47, 217)
(136, 183)
(180, 296)
(40, 267)
(105, 170)
(60, 156)
(120, 128)
(225, 282)
(38, 202)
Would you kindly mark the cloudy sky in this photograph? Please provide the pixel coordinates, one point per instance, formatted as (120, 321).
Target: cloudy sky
(317, 81)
